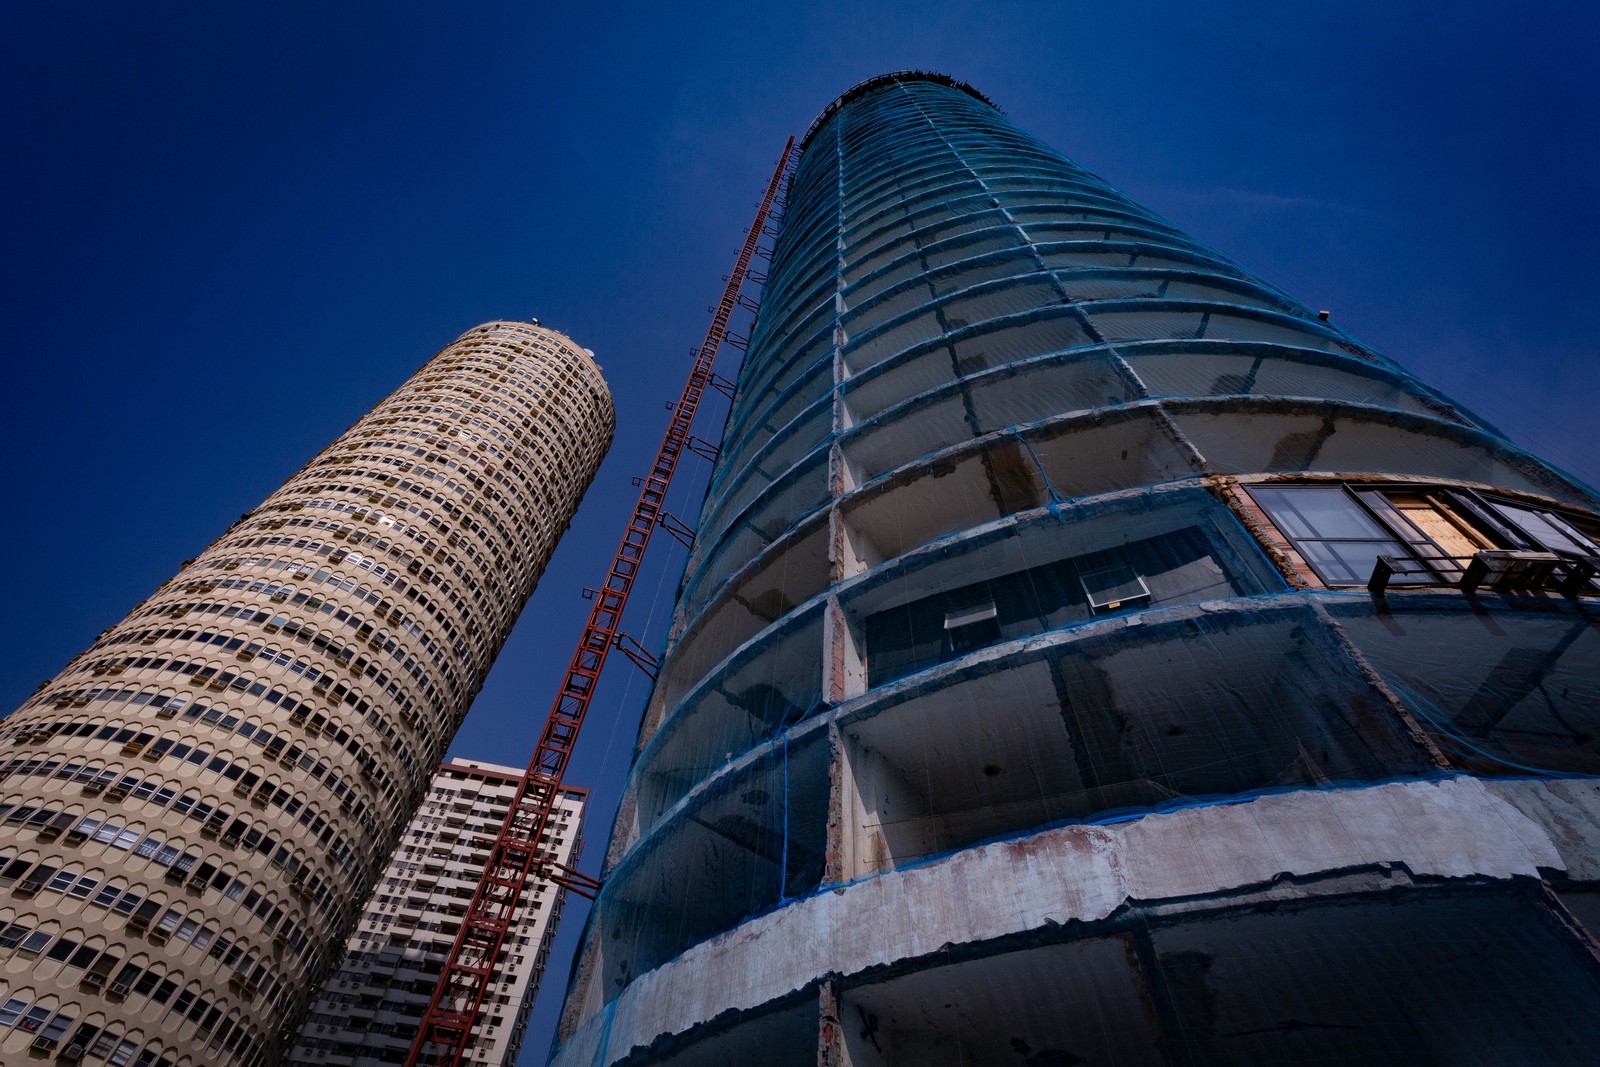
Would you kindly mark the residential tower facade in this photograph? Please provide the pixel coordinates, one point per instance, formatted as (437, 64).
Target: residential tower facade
(194, 809)
(1090, 654)
(368, 1009)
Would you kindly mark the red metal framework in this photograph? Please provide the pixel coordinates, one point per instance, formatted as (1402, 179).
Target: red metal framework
(446, 1026)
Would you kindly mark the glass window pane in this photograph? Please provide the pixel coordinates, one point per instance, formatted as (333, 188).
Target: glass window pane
(1350, 562)
(1548, 530)
(1316, 511)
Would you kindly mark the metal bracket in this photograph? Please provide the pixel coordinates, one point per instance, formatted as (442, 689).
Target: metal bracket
(721, 385)
(677, 528)
(637, 655)
(567, 878)
(703, 448)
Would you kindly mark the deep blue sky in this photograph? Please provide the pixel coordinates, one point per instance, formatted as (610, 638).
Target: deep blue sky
(226, 230)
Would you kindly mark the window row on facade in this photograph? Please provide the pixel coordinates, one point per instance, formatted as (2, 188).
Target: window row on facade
(188, 757)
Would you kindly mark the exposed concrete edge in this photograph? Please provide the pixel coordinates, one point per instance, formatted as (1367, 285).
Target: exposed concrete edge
(1456, 828)
(1568, 810)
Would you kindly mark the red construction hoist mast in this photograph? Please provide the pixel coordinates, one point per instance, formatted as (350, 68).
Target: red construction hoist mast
(517, 853)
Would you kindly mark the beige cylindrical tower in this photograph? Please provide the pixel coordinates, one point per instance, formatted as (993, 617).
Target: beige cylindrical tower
(192, 811)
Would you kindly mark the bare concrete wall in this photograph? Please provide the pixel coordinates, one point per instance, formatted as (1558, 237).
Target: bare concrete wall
(1454, 828)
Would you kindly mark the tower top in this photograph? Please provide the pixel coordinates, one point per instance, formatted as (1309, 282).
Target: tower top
(893, 77)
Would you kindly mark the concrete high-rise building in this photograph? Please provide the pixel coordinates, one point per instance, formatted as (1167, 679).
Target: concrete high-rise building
(368, 1009)
(1091, 655)
(193, 810)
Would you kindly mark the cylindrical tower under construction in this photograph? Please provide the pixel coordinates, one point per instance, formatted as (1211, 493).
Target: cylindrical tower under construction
(193, 810)
(1089, 654)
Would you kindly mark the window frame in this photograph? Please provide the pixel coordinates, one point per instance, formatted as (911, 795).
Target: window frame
(1482, 511)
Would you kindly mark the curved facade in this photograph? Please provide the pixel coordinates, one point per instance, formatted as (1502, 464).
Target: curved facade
(193, 810)
(1090, 654)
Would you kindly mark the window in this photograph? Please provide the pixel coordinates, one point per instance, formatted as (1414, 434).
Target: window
(1338, 538)
(1181, 565)
(1434, 535)
(1547, 529)
(103, 1044)
(33, 1019)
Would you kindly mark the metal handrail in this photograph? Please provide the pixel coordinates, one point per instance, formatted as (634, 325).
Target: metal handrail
(1502, 569)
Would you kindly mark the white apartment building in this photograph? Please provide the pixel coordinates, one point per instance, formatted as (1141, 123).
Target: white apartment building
(369, 1007)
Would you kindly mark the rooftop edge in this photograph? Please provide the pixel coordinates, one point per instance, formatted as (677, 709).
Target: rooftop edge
(877, 82)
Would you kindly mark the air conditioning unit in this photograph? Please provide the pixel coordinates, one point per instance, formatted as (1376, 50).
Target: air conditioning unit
(119, 989)
(44, 1044)
(72, 1053)
(29, 888)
